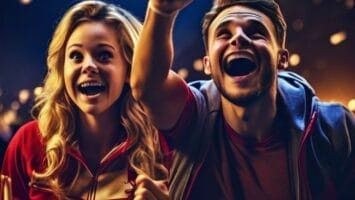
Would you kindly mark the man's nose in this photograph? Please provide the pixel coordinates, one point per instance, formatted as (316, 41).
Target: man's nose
(240, 38)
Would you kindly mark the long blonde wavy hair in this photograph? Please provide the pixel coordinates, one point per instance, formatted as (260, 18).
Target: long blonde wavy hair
(56, 114)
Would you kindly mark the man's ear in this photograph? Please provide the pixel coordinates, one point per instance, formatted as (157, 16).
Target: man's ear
(206, 65)
(282, 60)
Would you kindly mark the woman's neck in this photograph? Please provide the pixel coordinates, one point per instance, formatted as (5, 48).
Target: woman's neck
(98, 134)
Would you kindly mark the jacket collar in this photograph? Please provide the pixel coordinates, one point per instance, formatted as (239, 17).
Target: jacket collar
(295, 95)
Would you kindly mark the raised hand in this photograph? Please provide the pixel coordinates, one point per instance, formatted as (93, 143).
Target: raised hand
(166, 7)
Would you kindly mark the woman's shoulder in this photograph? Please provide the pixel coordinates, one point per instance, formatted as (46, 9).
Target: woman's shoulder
(27, 138)
(29, 131)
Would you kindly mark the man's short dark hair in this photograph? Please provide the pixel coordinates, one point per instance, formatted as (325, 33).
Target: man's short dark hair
(269, 7)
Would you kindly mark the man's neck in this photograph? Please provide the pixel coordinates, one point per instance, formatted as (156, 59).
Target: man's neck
(254, 120)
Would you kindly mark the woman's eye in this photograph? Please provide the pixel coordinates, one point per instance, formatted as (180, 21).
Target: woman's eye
(76, 56)
(104, 56)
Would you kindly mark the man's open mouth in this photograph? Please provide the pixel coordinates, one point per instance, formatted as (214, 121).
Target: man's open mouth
(91, 88)
(239, 67)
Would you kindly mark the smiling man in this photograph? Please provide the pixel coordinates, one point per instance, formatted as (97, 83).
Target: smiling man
(254, 131)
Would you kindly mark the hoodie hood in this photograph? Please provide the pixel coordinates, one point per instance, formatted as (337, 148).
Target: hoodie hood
(294, 92)
(298, 98)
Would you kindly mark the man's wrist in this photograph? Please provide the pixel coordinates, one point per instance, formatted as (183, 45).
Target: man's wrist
(161, 12)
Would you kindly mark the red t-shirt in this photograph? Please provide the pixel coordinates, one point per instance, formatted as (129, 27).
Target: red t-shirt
(238, 168)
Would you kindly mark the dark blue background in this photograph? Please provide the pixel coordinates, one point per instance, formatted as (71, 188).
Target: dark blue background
(25, 31)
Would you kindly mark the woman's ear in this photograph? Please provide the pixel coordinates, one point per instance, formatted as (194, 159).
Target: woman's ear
(128, 76)
(282, 60)
(206, 65)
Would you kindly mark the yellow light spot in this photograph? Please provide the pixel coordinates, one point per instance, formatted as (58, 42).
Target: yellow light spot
(338, 38)
(10, 117)
(183, 72)
(351, 105)
(37, 91)
(25, 2)
(198, 65)
(23, 96)
(295, 60)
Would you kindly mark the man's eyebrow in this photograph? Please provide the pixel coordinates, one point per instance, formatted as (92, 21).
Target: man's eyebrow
(226, 22)
(229, 18)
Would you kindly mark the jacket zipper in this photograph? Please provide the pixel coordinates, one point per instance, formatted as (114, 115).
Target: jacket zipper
(304, 192)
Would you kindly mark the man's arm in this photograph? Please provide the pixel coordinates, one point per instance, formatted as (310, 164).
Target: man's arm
(162, 92)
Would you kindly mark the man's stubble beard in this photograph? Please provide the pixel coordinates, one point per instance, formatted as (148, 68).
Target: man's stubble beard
(252, 96)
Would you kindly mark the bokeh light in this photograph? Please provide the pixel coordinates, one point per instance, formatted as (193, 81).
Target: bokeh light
(198, 65)
(24, 95)
(338, 38)
(349, 4)
(183, 72)
(9, 117)
(37, 91)
(295, 59)
(25, 2)
(15, 105)
(351, 105)
(297, 25)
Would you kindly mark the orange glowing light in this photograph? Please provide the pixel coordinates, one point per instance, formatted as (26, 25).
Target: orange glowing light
(351, 105)
(295, 59)
(338, 38)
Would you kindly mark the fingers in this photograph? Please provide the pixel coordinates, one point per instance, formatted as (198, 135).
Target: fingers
(167, 7)
(149, 189)
(144, 194)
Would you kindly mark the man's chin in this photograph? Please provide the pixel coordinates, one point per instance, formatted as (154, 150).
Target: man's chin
(245, 100)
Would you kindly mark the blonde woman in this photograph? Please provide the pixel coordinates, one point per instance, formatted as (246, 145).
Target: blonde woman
(89, 139)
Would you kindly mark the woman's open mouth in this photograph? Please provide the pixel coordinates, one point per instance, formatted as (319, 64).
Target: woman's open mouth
(91, 88)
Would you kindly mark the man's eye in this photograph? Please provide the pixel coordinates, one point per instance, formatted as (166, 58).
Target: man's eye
(76, 56)
(104, 56)
(224, 34)
(256, 33)
(257, 36)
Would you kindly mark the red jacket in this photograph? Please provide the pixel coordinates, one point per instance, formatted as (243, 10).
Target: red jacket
(25, 154)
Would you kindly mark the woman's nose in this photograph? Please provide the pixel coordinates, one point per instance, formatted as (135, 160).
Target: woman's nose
(89, 66)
